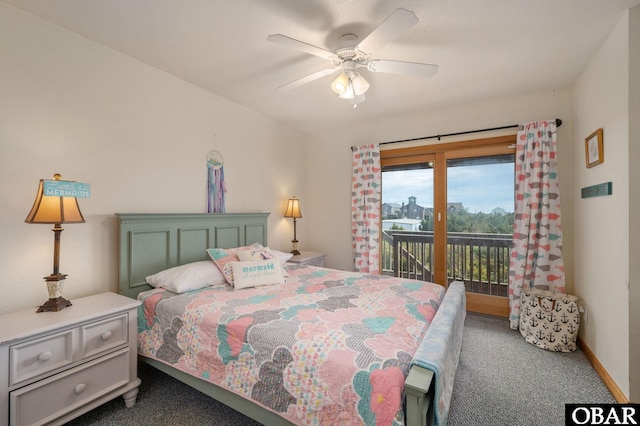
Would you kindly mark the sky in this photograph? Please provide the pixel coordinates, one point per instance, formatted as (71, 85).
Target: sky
(478, 188)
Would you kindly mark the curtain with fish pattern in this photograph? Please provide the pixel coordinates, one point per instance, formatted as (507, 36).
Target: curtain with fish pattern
(366, 195)
(536, 250)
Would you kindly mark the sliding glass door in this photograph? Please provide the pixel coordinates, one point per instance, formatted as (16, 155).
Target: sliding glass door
(448, 215)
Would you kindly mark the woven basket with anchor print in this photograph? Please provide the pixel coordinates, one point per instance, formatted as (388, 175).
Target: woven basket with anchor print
(549, 320)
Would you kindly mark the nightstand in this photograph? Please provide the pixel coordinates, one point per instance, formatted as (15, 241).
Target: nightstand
(310, 258)
(55, 366)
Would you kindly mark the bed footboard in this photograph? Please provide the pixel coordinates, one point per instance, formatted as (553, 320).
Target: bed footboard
(439, 353)
(419, 390)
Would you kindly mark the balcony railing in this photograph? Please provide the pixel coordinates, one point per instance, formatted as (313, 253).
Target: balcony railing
(481, 261)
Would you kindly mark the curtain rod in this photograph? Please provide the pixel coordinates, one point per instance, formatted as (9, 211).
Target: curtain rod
(558, 123)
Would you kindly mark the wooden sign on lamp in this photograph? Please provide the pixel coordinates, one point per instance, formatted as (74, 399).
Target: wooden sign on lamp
(55, 210)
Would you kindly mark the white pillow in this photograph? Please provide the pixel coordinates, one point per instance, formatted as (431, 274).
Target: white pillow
(190, 276)
(257, 273)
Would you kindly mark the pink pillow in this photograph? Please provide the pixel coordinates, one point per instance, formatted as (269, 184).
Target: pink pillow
(222, 258)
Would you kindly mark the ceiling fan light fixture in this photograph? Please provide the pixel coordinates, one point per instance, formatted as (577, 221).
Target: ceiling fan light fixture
(349, 93)
(360, 84)
(341, 84)
(354, 53)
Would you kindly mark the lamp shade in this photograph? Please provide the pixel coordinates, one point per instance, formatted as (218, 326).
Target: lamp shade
(340, 84)
(54, 209)
(349, 93)
(293, 208)
(360, 84)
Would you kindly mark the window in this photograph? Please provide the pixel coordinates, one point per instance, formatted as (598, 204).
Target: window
(448, 215)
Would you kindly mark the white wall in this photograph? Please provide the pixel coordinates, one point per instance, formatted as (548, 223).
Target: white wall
(601, 224)
(329, 160)
(138, 135)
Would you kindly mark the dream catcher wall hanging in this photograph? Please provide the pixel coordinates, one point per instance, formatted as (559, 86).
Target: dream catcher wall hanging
(215, 182)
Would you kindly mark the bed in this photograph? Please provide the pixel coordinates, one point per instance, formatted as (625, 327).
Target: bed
(404, 370)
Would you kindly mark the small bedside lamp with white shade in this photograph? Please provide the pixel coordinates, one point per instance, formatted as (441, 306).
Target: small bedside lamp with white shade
(293, 211)
(56, 210)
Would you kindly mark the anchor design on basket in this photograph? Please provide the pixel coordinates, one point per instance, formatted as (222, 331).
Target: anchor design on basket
(533, 322)
(572, 308)
(564, 318)
(565, 339)
(540, 335)
(550, 338)
(551, 317)
(571, 328)
(540, 315)
(557, 327)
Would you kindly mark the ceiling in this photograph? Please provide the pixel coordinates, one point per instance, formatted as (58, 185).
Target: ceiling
(484, 48)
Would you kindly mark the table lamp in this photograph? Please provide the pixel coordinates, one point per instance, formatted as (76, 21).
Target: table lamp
(56, 210)
(293, 211)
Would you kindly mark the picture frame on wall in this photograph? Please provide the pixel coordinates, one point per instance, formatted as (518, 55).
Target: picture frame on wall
(594, 148)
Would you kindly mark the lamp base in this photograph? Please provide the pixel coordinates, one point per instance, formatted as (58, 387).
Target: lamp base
(55, 284)
(54, 305)
(294, 246)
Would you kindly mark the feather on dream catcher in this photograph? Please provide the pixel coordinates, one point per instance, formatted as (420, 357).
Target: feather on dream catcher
(215, 182)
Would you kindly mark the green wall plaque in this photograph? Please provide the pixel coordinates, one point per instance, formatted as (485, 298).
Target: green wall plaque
(597, 190)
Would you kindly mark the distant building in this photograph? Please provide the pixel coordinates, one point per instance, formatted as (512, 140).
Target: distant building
(389, 209)
(405, 224)
(455, 207)
(412, 210)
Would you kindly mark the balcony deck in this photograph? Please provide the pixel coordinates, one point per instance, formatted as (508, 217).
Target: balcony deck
(481, 261)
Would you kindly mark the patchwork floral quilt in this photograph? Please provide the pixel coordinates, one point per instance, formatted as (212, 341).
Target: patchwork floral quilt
(327, 347)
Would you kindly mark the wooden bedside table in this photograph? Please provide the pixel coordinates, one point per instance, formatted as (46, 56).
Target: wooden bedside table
(55, 366)
(312, 258)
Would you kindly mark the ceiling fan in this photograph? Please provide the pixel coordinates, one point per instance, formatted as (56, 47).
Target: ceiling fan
(351, 56)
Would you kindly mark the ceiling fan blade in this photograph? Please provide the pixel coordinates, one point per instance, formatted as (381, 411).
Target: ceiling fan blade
(308, 79)
(400, 67)
(396, 23)
(300, 45)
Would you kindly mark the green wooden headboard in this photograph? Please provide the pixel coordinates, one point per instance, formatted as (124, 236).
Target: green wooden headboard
(149, 243)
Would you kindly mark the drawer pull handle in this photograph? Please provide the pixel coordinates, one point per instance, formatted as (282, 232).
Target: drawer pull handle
(80, 388)
(106, 335)
(44, 356)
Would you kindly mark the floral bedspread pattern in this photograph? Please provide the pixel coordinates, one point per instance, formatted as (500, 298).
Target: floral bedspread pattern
(327, 347)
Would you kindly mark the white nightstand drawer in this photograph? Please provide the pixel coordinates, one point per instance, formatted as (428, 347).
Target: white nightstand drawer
(39, 356)
(103, 335)
(48, 399)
